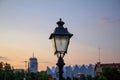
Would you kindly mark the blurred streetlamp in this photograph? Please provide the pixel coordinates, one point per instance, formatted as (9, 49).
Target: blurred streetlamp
(25, 71)
(60, 38)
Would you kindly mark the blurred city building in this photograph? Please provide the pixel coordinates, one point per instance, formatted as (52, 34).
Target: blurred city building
(99, 66)
(33, 65)
(72, 71)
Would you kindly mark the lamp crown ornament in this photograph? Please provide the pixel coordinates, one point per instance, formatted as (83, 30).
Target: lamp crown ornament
(60, 23)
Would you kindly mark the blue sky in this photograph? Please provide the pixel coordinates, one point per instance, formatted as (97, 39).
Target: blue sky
(26, 25)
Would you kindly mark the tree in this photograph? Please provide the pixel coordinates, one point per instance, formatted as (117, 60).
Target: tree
(101, 77)
(96, 78)
(74, 78)
(6, 71)
(42, 75)
(111, 73)
(19, 75)
(1, 66)
(82, 77)
(68, 78)
(1, 71)
(89, 77)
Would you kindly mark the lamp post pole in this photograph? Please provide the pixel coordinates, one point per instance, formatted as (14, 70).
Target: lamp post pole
(60, 65)
(61, 38)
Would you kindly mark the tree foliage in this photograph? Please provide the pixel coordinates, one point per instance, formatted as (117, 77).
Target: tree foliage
(7, 73)
(101, 77)
(82, 77)
(89, 77)
(111, 73)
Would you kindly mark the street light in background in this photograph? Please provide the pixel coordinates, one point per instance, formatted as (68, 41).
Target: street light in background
(25, 71)
(60, 39)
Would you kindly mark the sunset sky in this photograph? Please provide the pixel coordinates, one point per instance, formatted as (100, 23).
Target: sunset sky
(25, 27)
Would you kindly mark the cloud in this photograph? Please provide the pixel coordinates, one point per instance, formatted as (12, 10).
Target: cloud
(105, 22)
(3, 58)
(105, 19)
(46, 62)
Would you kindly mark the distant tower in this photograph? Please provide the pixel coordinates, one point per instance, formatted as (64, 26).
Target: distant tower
(99, 55)
(26, 66)
(33, 65)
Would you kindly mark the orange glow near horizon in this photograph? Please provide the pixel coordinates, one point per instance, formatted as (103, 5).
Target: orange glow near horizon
(76, 55)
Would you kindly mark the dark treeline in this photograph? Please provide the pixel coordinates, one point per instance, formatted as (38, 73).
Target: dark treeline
(7, 72)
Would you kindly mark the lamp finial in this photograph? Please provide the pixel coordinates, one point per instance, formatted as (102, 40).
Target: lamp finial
(60, 23)
(60, 19)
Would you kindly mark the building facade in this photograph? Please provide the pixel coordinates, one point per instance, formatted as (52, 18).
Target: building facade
(72, 71)
(99, 66)
(33, 65)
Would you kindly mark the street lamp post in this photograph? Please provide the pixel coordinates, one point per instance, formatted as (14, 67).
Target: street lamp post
(60, 38)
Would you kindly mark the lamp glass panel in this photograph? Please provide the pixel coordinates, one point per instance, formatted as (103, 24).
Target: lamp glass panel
(61, 43)
(53, 43)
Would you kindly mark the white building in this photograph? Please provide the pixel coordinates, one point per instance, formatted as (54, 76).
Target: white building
(69, 72)
(90, 70)
(33, 65)
(76, 70)
(72, 71)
